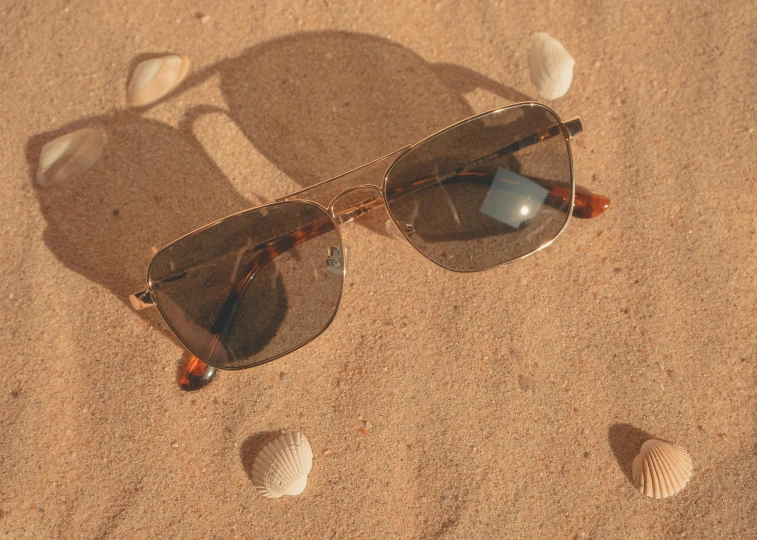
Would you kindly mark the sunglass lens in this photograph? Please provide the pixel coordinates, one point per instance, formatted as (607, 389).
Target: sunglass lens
(486, 191)
(253, 286)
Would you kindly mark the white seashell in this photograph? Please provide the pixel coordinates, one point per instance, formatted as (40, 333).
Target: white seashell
(71, 154)
(661, 469)
(153, 79)
(551, 66)
(282, 466)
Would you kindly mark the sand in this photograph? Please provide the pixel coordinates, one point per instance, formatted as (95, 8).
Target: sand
(503, 404)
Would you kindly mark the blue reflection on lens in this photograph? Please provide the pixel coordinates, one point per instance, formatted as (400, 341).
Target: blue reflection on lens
(513, 199)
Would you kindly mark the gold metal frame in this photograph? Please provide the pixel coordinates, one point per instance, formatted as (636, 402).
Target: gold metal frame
(575, 127)
(142, 296)
(147, 298)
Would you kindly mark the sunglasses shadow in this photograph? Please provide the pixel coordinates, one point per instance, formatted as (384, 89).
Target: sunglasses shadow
(314, 104)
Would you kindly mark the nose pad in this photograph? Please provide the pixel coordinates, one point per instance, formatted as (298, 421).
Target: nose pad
(394, 233)
(414, 238)
(355, 202)
(337, 260)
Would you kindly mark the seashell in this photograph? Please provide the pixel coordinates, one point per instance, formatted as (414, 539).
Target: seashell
(551, 66)
(661, 469)
(282, 466)
(155, 78)
(69, 155)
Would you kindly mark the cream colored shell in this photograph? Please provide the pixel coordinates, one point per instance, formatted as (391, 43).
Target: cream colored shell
(551, 66)
(661, 469)
(155, 78)
(282, 466)
(69, 155)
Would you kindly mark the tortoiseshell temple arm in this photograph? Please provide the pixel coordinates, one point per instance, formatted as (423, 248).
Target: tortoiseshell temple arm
(196, 374)
(265, 254)
(585, 203)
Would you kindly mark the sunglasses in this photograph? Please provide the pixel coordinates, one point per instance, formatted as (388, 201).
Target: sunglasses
(259, 284)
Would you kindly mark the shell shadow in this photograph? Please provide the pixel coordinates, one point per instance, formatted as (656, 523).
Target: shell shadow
(252, 446)
(625, 442)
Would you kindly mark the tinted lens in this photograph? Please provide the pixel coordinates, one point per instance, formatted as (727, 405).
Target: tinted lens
(253, 286)
(485, 192)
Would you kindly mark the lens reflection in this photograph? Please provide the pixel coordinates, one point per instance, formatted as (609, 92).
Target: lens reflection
(484, 192)
(253, 286)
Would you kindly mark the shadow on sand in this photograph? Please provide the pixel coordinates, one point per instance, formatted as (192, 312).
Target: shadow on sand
(314, 104)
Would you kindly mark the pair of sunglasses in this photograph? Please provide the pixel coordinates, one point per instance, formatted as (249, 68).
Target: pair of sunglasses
(259, 284)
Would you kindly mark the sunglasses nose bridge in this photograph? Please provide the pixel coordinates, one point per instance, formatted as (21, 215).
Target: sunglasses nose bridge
(352, 204)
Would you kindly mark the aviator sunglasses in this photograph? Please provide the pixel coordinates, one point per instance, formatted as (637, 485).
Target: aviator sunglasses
(261, 283)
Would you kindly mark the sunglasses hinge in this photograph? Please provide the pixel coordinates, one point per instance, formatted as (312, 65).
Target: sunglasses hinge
(574, 125)
(141, 300)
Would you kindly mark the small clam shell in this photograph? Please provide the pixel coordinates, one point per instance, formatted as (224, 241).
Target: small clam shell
(153, 79)
(551, 66)
(68, 155)
(282, 466)
(661, 469)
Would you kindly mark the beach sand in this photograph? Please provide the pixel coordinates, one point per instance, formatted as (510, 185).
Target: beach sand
(502, 404)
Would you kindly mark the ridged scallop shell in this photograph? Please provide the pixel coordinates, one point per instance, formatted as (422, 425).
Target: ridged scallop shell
(68, 155)
(282, 466)
(661, 469)
(153, 79)
(551, 66)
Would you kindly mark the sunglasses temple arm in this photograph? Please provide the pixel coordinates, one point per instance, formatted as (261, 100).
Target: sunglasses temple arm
(585, 204)
(195, 373)
(264, 255)
(267, 252)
